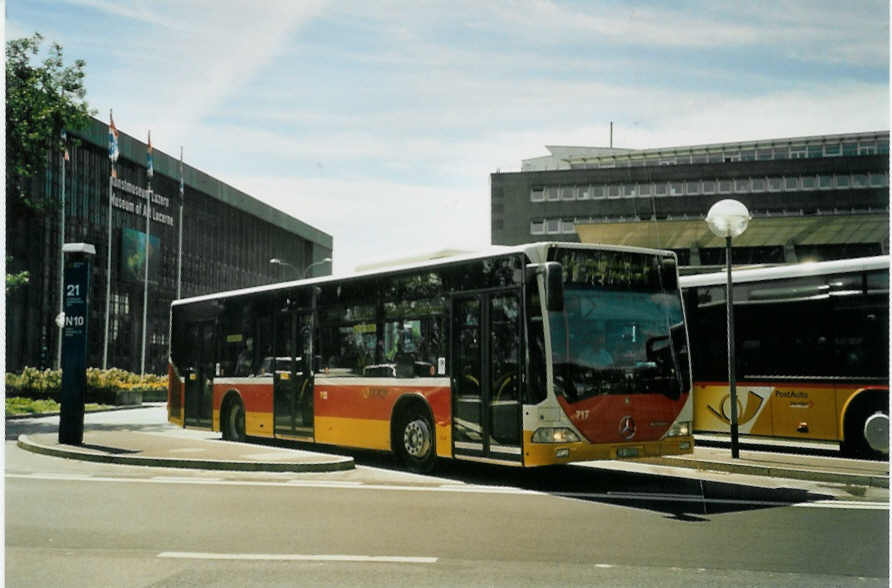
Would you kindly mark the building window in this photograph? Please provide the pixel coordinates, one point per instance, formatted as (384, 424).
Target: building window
(791, 183)
(859, 181)
(781, 153)
(645, 189)
(758, 184)
(585, 193)
(815, 151)
(843, 181)
(660, 188)
(613, 191)
(732, 156)
(630, 190)
(809, 182)
(742, 185)
(878, 180)
(568, 193)
(833, 150)
(798, 152)
(676, 188)
(568, 226)
(597, 191)
(716, 157)
(868, 148)
(553, 226)
(651, 161)
(748, 155)
(825, 181)
(709, 186)
(693, 186)
(537, 227)
(775, 184)
(699, 158)
(883, 147)
(537, 194)
(764, 154)
(551, 194)
(850, 149)
(724, 186)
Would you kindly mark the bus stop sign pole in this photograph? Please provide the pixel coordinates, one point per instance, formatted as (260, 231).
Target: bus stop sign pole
(74, 341)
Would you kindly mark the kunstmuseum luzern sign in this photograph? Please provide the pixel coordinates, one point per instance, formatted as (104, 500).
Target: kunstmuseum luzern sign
(123, 192)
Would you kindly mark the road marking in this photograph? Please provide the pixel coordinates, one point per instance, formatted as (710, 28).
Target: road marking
(465, 489)
(297, 557)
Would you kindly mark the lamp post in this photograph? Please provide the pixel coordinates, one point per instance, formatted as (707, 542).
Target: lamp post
(315, 263)
(729, 219)
(277, 261)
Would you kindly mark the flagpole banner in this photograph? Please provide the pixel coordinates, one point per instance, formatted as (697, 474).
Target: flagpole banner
(150, 168)
(112, 142)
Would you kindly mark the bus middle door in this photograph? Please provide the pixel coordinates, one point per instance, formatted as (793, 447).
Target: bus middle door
(199, 375)
(292, 375)
(486, 351)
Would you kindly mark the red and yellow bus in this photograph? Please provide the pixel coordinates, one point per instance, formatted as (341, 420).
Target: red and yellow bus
(530, 355)
(811, 348)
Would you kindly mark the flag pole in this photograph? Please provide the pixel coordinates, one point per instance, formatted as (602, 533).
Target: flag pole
(145, 293)
(60, 317)
(113, 157)
(180, 245)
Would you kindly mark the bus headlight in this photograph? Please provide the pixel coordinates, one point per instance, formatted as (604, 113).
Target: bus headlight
(679, 429)
(555, 435)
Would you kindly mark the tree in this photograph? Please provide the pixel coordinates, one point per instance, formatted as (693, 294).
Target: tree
(15, 280)
(41, 101)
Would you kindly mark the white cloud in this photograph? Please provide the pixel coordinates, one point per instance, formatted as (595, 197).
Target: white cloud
(371, 221)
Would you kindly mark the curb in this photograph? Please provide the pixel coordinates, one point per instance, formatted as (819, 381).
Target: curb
(776, 472)
(40, 415)
(345, 463)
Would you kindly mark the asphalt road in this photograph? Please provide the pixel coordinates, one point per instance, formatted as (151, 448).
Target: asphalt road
(73, 523)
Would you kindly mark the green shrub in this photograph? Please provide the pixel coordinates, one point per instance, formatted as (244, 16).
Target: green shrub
(102, 385)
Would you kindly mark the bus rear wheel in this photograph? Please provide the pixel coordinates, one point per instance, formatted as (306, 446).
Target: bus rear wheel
(414, 441)
(233, 422)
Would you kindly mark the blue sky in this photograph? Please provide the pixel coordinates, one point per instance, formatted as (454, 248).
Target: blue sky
(380, 122)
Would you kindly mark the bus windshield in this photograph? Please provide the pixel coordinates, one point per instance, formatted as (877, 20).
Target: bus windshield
(620, 331)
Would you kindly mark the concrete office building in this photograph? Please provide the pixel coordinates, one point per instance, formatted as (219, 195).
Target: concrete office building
(228, 238)
(811, 198)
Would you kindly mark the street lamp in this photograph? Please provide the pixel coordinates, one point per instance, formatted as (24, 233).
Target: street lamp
(315, 263)
(729, 219)
(277, 261)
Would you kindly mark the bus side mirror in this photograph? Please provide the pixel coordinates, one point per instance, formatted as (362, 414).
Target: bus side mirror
(554, 283)
(669, 273)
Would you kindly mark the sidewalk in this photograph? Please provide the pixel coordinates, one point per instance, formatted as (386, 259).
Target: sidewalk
(180, 448)
(183, 450)
(834, 470)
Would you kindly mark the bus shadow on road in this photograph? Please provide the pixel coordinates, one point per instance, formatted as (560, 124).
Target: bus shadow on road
(682, 499)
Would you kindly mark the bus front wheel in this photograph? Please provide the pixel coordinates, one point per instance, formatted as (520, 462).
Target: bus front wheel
(234, 421)
(414, 439)
(866, 429)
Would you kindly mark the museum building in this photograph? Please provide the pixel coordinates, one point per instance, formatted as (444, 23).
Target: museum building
(811, 198)
(203, 236)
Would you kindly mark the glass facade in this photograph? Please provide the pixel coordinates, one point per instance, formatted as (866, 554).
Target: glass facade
(225, 245)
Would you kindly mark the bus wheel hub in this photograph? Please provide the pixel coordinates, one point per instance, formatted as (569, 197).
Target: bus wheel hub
(417, 438)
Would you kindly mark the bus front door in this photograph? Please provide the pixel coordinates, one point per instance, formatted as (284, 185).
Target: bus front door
(292, 379)
(486, 351)
(199, 375)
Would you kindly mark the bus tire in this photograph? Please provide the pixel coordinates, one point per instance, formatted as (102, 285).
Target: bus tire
(414, 441)
(867, 418)
(233, 420)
